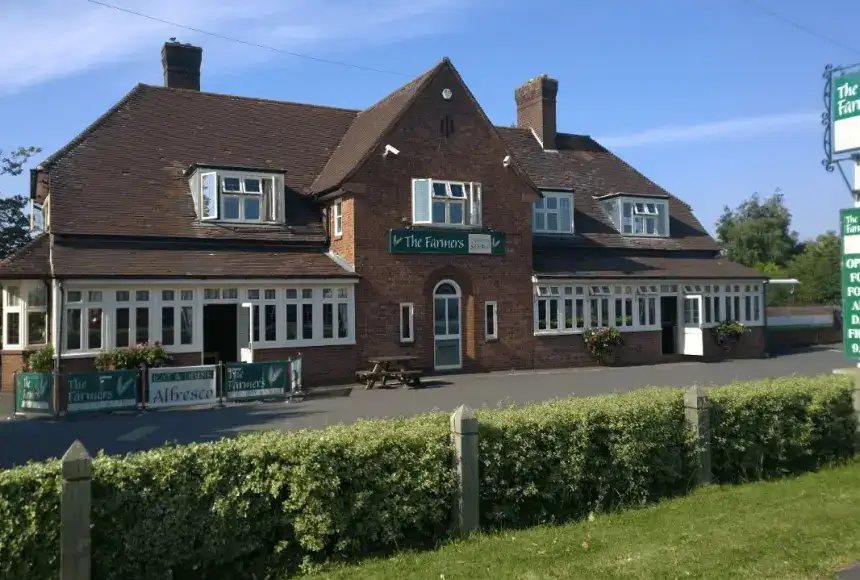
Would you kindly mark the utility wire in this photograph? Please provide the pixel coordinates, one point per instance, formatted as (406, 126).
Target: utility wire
(776, 15)
(254, 44)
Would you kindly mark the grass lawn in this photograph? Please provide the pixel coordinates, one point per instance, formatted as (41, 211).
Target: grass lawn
(806, 527)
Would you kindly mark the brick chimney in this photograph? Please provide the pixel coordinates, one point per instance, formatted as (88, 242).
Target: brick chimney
(536, 108)
(181, 64)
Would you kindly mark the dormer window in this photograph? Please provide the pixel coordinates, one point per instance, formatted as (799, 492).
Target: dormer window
(553, 213)
(446, 203)
(639, 216)
(238, 196)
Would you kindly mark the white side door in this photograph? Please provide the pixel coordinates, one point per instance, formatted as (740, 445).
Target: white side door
(692, 328)
(246, 332)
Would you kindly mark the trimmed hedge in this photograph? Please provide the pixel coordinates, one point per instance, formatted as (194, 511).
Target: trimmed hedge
(264, 503)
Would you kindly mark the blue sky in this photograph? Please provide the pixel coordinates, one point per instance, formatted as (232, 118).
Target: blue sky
(712, 99)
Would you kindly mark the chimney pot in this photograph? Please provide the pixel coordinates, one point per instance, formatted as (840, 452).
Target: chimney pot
(536, 108)
(181, 64)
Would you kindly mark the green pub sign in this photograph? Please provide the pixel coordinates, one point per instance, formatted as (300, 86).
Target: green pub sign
(850, 220)
(256, 381)
(102, 391)
(451, 242)
(34, 393)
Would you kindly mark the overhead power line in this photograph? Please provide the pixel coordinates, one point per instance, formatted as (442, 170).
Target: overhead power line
(796, 25)
(249, 43)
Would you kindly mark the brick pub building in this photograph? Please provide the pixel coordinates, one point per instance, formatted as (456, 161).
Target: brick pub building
(232, 228)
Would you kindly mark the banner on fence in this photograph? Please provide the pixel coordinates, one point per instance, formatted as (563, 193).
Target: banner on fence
(255, 381)
(296, 374)
(181, 386)
(102, 391)
(34, 393)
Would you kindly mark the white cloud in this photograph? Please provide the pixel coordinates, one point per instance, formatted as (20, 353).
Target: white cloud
(50, 39)
(731, 128)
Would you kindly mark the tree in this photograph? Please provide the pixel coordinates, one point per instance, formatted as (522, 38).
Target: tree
(14, 222)
(818, 267)
(777, 294)
(758, 232)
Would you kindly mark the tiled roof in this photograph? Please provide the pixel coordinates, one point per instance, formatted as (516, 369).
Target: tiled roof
(31, 261)
(139, 150)
(616, 264)
(582, 164)
(107, 258)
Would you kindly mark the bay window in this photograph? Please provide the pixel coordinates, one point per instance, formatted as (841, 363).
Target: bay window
(238, 196)
(553, 213)
(453, 203)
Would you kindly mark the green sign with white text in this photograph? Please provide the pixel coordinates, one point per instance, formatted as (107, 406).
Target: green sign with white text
(850, 220)
(452, 242)
(846, 112)
(255, 381)
(34, 393)
(103, 391)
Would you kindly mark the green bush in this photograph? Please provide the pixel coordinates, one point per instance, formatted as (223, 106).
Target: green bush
(265, 503)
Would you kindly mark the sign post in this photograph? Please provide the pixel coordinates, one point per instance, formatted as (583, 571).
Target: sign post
(850, 228)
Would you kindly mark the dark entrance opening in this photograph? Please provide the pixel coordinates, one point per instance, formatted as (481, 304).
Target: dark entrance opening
(669, 323)
(220, 333)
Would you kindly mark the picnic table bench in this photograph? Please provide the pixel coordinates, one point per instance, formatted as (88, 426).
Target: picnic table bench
(382, 371)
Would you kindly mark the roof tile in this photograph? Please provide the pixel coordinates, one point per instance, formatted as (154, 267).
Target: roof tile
(33, 261)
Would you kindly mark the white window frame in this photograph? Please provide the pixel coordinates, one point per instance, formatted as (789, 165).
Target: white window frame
(471, 202)
(337, 218)
(22, 309)
(274, 213)
(13, 305)
(410, 320)
(491, 330)
(262, 297)
(540, 210)
(643, 210)
(133, 303)
(336, 296)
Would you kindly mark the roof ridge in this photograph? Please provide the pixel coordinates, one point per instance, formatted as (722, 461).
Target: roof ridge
(246, 98)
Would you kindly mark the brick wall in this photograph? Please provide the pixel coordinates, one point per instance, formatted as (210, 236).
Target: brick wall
(10, 363)
(751, 345)
(321, 366)
(343, 245)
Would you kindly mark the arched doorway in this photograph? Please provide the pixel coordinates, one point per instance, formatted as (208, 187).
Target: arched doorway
(447, 329)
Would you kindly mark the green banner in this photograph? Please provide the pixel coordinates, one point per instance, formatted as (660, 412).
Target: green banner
(34, 393)
(452, 242)
(850, 220)
(256, 381)
(104, 391)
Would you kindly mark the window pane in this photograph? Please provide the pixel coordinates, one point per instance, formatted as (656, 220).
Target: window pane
(73, 296)
(551, 202)
(231, 207)
(13, 296)
(168, 326)
(619, 313)
(717, 317)
(438, 212)
(628, 311)
(737, 308)
(211, 293)
(342, 320)
(186, 327)
(540, 222)
(457, 190)
(270, 294)
(652, 311)
(595, 312)
(552, 222)
(142, 295)
(489, 318)
(255, 315)
(643, 312)
(328, 320)
(568, 314)
(307, 321)
(456, 213)
(13, 328)
(231, 184)
(626, 209)
(37, 296)
(122, 296)
(439, 317)
(252, 208)
(94, 296)
(439, 189)
(542, 325)
(292, 322)
(580, 313)
(252, 185)
(553, 314)
(307, 294)
(230, 294)
(747, 307)
(254, 294)
(604, 311)
(37, 327)
(454, 315)
(121, 327)
(756, 308)
(73, 328)
(208, 189)
(187, 295)
(564, 215)
(405, 323)
(94, 328)
(707, 309)
(141, 325)
(167, 295)
(271, 315)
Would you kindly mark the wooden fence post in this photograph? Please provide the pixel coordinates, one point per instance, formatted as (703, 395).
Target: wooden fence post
(75, 548)
(697, 410)
(464, 435)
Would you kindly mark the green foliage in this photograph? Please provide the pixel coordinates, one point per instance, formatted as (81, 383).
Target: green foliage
(777, 294)
(729, 331)
(758, 231)
(601, 341)
(775, 427)
(265, 503)
(818, 267)
(40, 360)
(14, 221)
(140, 355)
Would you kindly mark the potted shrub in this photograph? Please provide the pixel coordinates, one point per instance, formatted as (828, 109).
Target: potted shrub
(601, 343)
(728, 333)
(142, 355)
(39, 361)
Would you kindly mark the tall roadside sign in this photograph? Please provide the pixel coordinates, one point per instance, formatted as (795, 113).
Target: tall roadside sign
(850, 227)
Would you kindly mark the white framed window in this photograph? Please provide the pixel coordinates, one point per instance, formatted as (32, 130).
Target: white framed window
(624, 316)
(407, 323)
(238, 196)
(300, 314)
(634, 216)
(337, 218)
(491, 320)
(177, 318)
(131, 318)
(553, 213)
(451, 203)
(37, 315)
(12, 311)
(335, 313)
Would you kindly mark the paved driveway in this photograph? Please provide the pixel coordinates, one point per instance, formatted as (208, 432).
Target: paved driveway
(22, 440)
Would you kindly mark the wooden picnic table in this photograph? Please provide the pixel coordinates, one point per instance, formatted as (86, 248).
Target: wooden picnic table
(382, 371)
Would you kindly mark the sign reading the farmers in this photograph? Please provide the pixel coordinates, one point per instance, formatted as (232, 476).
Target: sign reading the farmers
(846, 112)
(104, 391)
(255, 381)
(180, 386)
(445, 242)
(34, 393)
(850, 219)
